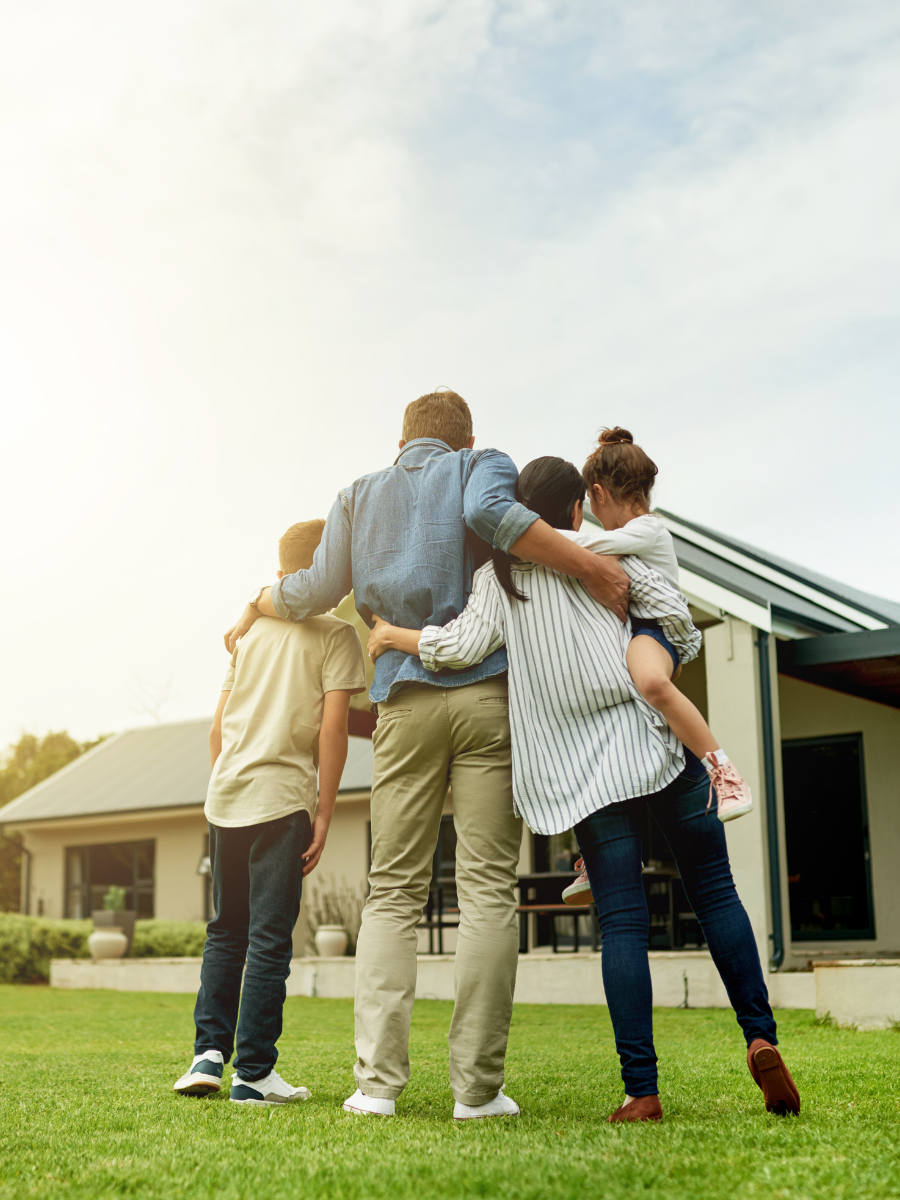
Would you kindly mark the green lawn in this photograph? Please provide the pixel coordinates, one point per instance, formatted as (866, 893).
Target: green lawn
(87, 1110)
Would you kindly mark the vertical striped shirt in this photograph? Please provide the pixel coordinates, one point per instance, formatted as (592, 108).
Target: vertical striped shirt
(582, 735)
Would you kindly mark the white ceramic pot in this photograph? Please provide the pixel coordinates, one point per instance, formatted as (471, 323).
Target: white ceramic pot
(107, 943)
(331, 941)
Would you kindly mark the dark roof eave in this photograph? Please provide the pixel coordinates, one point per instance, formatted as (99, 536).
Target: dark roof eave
(840, 648)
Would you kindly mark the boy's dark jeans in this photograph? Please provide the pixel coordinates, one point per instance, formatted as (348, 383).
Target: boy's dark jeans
(610, 841)
(257, 876)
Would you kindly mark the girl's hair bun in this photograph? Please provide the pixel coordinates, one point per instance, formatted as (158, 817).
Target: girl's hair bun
(616, 436)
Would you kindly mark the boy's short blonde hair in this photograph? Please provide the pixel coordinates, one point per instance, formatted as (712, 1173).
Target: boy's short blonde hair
(443, 415)
(298, 545)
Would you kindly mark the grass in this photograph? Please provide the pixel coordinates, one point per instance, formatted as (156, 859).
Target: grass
(87, 1110)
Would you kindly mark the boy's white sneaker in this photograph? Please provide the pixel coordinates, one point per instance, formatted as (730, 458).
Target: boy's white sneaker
(500, 1106)
(271, 1090)
(369, 1106)
(204, 1075)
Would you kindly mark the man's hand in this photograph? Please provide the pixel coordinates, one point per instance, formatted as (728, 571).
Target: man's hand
(608, 584)
(316, 846)
(379, 638)
(248, 616)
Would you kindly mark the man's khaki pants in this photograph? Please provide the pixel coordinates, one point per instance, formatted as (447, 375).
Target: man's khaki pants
(426, 738)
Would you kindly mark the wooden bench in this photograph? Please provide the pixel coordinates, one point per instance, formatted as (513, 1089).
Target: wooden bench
(554, 911)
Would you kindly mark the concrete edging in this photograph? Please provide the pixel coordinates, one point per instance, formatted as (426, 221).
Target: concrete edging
(859, 993)
(541, 979)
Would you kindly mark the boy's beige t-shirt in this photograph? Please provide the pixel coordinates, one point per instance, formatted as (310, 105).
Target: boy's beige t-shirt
(278, 678)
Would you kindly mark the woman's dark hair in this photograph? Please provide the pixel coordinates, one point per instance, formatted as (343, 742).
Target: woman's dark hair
(550, 487)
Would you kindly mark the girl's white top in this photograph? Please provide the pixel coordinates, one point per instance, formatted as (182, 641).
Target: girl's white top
(645, 536)
(582, 735)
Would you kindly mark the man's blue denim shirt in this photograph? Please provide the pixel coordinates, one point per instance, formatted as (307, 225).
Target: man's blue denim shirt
(398, 538)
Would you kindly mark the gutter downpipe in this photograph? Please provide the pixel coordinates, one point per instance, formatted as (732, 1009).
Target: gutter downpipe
(27, 854)
(768, 733)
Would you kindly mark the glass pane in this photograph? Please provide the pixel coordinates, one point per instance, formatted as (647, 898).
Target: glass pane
(112, 864)
(145, 905)
(75, 904)
(144, 855)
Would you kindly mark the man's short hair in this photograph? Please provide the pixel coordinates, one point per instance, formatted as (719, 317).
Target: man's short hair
(298, 545)
(443, 415)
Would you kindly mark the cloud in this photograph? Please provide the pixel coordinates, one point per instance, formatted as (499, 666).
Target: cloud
(236, 239)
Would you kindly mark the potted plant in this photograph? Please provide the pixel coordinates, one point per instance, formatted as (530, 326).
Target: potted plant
(114, 916)
(333, 916)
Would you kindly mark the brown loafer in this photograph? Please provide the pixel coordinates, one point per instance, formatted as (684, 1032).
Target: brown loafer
(773, 1078)
(643, 1108)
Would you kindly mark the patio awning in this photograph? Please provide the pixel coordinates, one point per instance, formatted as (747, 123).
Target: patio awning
(865, 664)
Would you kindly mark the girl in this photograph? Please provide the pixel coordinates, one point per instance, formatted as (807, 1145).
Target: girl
(619, 476)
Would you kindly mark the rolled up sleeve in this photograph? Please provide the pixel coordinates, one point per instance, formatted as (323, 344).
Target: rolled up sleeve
(309, 593)
(490, 506)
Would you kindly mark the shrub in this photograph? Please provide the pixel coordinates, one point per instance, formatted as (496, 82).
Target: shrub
(168, 939)
(28, 943)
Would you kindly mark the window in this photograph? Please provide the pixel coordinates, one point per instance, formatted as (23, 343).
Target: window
(92, 870)
(827, 835)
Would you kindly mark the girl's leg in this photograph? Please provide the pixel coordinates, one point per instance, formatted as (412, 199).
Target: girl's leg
(697, 840)
(610, 843)
(650, 665)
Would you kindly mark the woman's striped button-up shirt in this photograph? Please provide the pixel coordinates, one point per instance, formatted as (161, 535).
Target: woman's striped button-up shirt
(582, 735)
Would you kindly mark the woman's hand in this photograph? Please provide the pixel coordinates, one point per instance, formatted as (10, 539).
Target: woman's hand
(380, 638)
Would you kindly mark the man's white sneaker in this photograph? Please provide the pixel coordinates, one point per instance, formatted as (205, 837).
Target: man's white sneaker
(369, 1106)
(271, 1090)
(204, 1076)
(500, 1106)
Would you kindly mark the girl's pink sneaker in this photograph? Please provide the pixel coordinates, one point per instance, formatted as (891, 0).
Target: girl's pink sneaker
(579, 892)
(733, 792)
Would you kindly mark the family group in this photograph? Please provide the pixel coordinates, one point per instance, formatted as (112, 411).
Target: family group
(526, 662)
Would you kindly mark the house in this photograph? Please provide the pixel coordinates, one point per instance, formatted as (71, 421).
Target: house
(799, 677)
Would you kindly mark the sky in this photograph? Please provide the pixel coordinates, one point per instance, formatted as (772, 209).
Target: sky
(237, 237)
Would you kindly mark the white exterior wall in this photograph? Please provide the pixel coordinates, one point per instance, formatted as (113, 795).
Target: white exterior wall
(178, 890)
(811, 711)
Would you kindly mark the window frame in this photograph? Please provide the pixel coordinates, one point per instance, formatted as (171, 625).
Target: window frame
(140, 885)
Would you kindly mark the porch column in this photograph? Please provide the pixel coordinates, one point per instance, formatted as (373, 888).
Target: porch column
(733, 690)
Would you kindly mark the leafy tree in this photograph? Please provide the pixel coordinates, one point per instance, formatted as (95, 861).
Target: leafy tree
(27, 762)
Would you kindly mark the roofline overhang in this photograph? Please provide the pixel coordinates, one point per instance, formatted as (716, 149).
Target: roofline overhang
(176, 812)
(783, 579)
(841, 648)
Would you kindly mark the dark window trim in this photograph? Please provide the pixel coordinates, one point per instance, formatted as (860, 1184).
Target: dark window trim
(844, 935)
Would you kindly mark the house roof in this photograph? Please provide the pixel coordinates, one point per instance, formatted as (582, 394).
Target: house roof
(723, 575)
(159, 767)
(815, 602)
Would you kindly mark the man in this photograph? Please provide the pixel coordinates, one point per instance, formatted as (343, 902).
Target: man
(401, 539)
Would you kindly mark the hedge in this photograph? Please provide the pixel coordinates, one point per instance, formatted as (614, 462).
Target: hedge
(28, 943)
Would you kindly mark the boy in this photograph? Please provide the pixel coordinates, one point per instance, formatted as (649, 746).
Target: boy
(283, 710)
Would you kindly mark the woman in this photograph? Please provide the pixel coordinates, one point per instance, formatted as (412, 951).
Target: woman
(589, 751)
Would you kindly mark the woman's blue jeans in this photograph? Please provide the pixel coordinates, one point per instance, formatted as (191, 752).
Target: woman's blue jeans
(610, 841)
